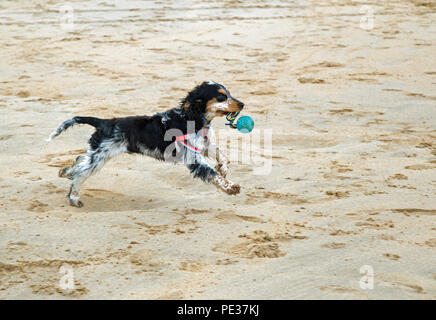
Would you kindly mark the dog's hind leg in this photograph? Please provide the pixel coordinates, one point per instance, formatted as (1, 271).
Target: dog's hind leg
(88, 164)
(68, 171)
(81, 170)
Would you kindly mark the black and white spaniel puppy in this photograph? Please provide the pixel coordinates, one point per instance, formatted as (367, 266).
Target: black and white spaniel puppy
(179, 135)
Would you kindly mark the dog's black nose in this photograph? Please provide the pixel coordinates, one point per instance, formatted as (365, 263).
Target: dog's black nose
(240, 105)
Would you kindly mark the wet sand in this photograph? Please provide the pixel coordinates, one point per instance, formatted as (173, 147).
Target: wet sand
(353, 177)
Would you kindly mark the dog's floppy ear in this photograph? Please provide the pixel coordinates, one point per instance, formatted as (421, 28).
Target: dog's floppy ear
(196, 107)
(184, 104)
(194, 102)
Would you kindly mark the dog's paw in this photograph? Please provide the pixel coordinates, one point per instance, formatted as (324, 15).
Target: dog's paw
(226, 185)
(76, 203)
(234, 189)
(62, 172)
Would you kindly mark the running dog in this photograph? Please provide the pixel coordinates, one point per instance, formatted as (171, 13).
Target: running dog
(180, 135)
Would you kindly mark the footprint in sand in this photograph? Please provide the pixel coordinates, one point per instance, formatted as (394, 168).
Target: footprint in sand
(340, 111)
(373, 224)
(416, 211)
(398, 176)
(7, 137)
(259, 244)
(231, 217)
(311, 80)
(431, 242)
(338, 194)
(59, 160)
(391, 256)
(340, 232)
(23, 94)
(100, 193)
(191, 266)
(420, 167)
(21, 173)
(34, 178)
(259, 196)
(38, 206)
(400, 280)
(333, 245)
(324, 64)
(343, 290)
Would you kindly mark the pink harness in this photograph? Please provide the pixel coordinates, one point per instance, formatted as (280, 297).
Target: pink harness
(185, 138)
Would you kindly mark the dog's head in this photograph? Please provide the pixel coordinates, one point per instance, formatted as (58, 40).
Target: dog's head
(210, 100)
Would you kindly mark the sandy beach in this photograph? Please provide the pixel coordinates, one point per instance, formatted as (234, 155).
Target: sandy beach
(350, 199)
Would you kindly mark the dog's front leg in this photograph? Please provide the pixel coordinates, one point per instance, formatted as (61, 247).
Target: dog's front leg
(201, 169)
(222, 162)
(226, 185)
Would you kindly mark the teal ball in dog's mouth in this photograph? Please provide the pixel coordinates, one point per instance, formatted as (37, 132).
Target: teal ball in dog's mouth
(245, 124)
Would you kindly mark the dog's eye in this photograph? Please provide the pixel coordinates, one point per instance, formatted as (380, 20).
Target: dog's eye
(221, 98)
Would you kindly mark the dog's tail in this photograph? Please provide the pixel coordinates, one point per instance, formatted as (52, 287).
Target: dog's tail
(95, 122)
